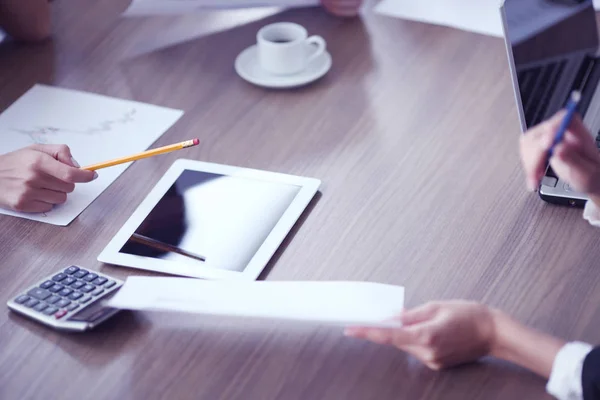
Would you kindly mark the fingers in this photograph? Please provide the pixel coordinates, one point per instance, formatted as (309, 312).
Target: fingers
(376, 335)
(343, 8)
(407, 335)
(534, 146)
(570, 164)
(583, 143)
(60, 152)
(419, 314)
(49, 196)
(66, 173)
(38, 200)
(52, 183)
(34, 206)
(536, 143)
(399, 337)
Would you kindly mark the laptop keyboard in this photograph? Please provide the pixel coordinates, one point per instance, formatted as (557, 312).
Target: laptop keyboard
(536, 86)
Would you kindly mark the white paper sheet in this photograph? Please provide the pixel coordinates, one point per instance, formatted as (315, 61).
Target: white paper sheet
(480, 16)
(336, 303)
(174, 7)
(96, 128)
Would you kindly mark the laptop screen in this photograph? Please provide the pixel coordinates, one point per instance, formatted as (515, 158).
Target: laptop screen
(553, 45)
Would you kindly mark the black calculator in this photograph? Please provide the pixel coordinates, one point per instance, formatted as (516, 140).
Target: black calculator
(71, 299)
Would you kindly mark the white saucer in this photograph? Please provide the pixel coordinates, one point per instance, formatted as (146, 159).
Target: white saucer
(246, 65)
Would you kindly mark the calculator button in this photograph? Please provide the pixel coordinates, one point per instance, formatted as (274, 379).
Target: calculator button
(99, 280)
(72, 307)
(52, 299)
(68, 280)
(31, 302)
(40, 307)
(59, 277)
(85, 299)
(40, 294)
(50, 310)
(47, 284)
(62, 303)
(75, 295)
(65, 292)
(88, 288)
(80, 274)
(90, 277)
(56, 288)
(22, 299)
(110, 284)
(97, 292)
(71, 270)
(60, 314)
(77, 284)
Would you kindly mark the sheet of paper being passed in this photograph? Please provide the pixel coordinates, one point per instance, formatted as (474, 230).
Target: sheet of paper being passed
(480, 16)
(337, 303)
(165, 7)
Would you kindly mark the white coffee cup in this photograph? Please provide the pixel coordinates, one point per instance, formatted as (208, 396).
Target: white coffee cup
(284, 48)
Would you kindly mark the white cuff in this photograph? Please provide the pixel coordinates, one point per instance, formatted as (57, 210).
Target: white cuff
(591, 213)
(565, 379)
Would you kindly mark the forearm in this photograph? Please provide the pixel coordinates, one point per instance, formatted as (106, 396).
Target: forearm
(523, 346)
(27, 20)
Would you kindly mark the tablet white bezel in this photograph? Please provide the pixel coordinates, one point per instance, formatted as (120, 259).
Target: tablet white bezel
(308, 189)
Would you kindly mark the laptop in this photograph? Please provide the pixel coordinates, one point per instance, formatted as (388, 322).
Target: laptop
(552, 48)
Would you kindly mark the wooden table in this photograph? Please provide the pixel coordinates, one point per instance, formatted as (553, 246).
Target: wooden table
(414, 134)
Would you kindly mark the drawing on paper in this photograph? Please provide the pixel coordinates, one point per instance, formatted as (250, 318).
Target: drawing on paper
(43, 134)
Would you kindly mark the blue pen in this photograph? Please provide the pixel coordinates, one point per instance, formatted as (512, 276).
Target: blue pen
(571, 109)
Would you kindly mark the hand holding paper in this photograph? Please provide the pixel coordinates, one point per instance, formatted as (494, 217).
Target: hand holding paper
(337, 303)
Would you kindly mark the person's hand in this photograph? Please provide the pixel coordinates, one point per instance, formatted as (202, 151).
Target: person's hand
(440, 334)
(36, 178)
(342, 8)
(576, 159)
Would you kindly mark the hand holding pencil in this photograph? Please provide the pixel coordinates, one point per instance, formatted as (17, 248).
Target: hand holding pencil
(145, 154)
(572, 153)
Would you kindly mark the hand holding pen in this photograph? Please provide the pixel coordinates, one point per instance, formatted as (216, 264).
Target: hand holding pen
(568, 146)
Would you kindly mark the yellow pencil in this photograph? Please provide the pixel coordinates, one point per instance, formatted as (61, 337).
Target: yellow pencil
(145, 154)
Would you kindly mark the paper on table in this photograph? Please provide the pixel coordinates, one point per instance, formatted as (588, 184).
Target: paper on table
(96, 128)
(337, 303)
(165, 7)
(480, 16)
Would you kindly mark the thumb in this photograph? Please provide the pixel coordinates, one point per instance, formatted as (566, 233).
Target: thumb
(60, 152)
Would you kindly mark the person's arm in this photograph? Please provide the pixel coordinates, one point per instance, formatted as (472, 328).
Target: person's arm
(524, 346)
(26, 20)
(446, 334)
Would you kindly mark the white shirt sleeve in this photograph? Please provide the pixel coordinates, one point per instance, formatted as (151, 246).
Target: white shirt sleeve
(565, 378)
(591, 213)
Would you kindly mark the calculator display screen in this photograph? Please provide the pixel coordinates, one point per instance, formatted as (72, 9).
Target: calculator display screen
(211, 219)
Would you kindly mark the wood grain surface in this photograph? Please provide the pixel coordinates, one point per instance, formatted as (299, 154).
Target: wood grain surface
(414, 135)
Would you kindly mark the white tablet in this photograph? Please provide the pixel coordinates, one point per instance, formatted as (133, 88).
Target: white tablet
(211, 221)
